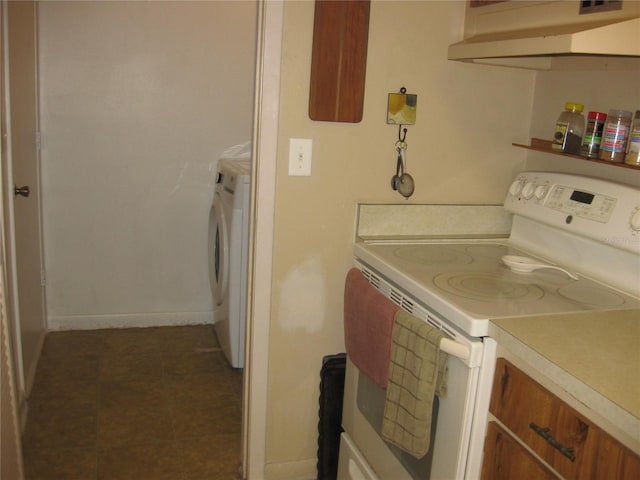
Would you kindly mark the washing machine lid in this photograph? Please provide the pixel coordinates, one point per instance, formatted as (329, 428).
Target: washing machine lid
(233, 177)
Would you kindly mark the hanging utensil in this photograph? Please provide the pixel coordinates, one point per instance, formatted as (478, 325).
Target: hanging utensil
(406, 185)
(402, 182)
(395, 180)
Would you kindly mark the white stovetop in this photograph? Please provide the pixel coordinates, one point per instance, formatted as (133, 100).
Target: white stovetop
(467, 283)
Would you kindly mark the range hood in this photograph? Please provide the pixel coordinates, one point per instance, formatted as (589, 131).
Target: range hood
(537, 47)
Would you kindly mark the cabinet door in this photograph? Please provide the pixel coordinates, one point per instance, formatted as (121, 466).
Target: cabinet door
(505, 459)
(558, 434)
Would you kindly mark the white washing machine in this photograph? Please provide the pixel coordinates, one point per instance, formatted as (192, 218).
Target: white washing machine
(228, 252)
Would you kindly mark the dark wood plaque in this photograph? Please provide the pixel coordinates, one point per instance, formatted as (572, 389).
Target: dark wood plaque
(339, 60)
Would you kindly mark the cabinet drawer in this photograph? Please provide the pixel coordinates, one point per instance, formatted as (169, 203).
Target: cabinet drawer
(506, 459)
(566, 440)
(558, 434)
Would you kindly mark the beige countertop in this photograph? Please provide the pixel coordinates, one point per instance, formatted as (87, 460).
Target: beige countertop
(593, 356)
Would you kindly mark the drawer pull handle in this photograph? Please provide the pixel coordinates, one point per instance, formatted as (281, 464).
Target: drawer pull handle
(544, 433)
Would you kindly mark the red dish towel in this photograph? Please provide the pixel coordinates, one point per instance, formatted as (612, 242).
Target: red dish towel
(368, 323)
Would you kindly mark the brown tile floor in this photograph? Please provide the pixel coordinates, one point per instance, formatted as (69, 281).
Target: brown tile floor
(134, 404)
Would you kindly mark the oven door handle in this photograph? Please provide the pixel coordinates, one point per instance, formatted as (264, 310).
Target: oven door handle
(454, 348)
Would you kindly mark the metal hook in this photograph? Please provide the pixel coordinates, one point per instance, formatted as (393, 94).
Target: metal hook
(402, 133)
(401, 136)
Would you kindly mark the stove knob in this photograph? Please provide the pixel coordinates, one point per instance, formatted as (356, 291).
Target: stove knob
(635, 220)
(541, 191)
(528, 189)
(516, 186)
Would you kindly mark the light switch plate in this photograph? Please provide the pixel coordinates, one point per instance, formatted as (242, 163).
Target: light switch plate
(300, 157)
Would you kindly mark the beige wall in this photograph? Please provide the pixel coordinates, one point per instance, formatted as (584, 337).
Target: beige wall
(138, 101)
(459, 151)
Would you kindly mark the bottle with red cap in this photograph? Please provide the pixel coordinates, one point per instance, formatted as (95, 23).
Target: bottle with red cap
(593, 134)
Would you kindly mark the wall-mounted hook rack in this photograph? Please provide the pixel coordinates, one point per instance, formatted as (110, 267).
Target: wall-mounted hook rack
(401, 111)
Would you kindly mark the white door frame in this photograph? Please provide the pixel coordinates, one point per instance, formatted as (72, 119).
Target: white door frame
(10, 448)
(10, 267)
(263, 180)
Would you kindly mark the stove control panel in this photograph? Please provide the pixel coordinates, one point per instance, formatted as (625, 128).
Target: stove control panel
(605, 211)
(581, 203)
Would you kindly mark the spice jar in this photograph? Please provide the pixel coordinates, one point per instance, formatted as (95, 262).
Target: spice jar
(593, 134)
(614, 137)
(569, 129)
(633, 147)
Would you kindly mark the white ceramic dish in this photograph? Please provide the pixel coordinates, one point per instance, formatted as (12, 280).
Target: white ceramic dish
(527, 265)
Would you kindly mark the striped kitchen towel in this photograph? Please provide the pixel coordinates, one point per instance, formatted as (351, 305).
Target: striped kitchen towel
(417, 371)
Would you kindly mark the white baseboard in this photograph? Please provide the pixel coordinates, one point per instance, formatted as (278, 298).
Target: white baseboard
(128, 320)
(300, 470)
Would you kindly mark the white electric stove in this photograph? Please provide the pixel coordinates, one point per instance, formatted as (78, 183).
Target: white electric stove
(588, 227)
(574, 246)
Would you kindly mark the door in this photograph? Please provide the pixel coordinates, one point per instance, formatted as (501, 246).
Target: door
(21, 174)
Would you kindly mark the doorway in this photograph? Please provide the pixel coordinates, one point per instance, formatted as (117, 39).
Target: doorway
(76, 190)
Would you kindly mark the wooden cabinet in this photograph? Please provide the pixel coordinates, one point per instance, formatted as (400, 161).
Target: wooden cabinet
(614, 461)
(568, 442)
(506, 459)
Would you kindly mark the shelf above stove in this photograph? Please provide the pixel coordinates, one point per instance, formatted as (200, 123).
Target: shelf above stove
(541, 145)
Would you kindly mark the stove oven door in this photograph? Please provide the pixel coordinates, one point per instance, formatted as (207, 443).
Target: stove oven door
(452, 440)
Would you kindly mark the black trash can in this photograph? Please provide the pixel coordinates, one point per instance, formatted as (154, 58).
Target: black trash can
(330, 422)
